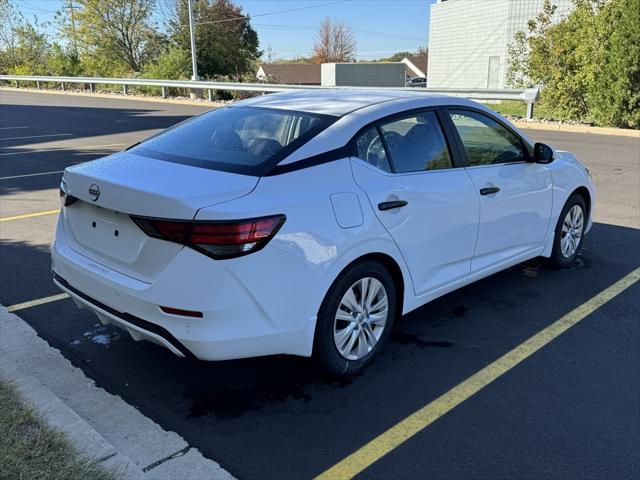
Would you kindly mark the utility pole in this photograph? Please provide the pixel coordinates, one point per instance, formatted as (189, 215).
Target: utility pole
(73, 27)
(195, 93)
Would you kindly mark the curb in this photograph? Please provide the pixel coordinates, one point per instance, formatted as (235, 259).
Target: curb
(204, 103)
(97, 424)
(561, 127)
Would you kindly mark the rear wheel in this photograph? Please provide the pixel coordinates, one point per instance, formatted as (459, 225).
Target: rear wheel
(355, 319)
(569, 232)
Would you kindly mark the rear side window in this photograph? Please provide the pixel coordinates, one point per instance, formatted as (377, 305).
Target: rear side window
(248, 140)
(416, 143)
(371, 150)
(485, 141)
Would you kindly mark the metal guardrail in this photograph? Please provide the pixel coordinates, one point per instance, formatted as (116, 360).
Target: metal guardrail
(529, 95)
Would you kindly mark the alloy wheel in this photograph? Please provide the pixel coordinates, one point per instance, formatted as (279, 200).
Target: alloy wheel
(361, 318)
(572, 228)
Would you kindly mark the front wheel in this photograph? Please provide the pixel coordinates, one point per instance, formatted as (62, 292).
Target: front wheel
(355, 319)
(569, 232)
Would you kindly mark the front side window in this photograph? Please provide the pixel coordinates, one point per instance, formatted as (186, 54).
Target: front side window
(485, 141)
(416, 143)
(235, 139)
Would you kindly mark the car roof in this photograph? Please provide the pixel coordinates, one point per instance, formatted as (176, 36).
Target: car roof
(338, 102)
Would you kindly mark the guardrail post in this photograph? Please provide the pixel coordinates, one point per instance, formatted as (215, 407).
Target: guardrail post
(529, 110)
(17, 84)
(164, 92)
(92, 87)
(38, 84)
(210, 95)
(125, 89)
(62, 84)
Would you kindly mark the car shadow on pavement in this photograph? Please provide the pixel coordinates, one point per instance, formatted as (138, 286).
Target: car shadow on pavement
(227, 408)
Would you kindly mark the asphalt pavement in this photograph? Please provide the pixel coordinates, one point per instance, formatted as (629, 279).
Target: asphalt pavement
(571, 410)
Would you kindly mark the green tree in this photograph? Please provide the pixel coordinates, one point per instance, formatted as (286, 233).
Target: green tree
(64, 60)
(112, 35)
(226, 43)
(552, 55)
(614, 92)
(587, 64)
(174, 64)
(399, 56)
(24, 46)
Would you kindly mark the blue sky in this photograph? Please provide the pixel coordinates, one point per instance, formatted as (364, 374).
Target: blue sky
(382, 27)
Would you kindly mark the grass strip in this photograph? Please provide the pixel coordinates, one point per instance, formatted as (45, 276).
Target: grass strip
(29, 449)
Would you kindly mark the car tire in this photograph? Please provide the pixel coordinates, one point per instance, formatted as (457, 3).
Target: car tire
(569, 232)
(361, 331)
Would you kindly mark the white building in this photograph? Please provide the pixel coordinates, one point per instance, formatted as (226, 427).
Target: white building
(469, 39)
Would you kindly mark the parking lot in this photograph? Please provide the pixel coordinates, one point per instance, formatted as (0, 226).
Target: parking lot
(569, 410)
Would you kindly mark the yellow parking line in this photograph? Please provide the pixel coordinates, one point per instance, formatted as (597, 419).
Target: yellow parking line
(419, 420)
(39, 301)
(29, 215)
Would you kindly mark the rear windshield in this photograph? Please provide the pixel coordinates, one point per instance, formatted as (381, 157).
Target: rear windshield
(247, 140)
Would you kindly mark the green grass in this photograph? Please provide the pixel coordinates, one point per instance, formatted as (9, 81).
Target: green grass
(519, 109)
(31, 450)
(510, 107)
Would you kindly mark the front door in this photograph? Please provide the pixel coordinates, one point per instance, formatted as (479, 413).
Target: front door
(515, 195)
(429, 207)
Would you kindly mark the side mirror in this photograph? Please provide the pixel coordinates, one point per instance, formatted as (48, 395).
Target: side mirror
(542, 153)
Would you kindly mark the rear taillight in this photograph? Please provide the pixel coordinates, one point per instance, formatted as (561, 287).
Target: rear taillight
(217, 239)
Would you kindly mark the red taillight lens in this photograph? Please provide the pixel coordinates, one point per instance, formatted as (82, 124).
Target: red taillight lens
(220, 239)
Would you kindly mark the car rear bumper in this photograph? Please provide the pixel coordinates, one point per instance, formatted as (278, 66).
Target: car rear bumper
(138, 328)
(239, 319)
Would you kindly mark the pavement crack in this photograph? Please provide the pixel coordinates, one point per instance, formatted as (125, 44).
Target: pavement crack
(177, 454)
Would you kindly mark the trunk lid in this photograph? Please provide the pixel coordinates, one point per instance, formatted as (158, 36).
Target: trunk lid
(111, 189)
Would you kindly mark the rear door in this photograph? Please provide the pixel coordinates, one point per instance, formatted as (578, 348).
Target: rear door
(515, 194)
(429, 206)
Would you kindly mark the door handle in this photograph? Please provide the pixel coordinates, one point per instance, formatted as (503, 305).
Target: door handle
(489, 190)
(390, 205)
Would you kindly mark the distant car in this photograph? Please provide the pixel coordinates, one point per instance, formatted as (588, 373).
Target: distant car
(307, 223)
(419, 82)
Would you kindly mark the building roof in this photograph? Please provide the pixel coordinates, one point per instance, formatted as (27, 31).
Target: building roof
(417, 64)
(293, 73)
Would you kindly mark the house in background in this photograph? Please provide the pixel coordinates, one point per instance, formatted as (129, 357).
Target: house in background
(353, 74)
(416, 65)
(289, 73)
(469, 39)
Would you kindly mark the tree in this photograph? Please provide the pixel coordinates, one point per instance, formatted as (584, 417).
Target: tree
(10, 19)
(226, 44)
(334, 43)
(551, 56)
(23, 45)
(118, 32)
(614, 92)
(64, 61)
(399, 56)
(587, 64)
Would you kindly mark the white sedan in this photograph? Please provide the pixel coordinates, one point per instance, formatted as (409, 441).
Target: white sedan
(306, 223)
